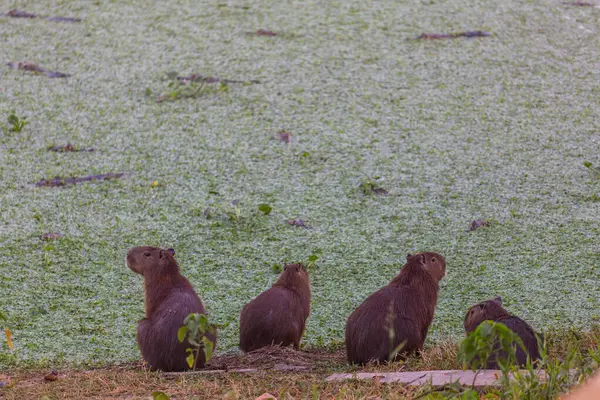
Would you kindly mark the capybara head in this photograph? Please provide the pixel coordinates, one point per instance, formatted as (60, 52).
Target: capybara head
(433, 263)
(146, 260)
(486, 310)
(293, 275)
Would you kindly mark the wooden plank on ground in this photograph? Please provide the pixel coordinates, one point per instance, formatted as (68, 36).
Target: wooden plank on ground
(484, 378)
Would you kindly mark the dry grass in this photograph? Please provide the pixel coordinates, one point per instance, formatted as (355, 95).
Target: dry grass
(134, 381)
(128, 383)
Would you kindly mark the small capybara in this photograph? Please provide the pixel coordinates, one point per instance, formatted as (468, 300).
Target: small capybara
(169, 299)
(396, 318)
(278, 315)
(492, 310)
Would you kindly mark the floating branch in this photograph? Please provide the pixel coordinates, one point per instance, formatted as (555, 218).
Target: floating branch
(68, 148)
(58, 181)
(23, 14)
(262, 32)
(468, 34)
(27, 66)
(211, 79)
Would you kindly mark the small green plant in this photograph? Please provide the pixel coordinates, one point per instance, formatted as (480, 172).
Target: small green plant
(490, 339)
(312, 259)
(195, 329)
(265, 208)
(369, 186)
(594, 172)
(160, 396)
(16, 124)
(518, 382)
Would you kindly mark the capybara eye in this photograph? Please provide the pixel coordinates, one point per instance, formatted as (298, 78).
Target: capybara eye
(433, 259)
(147, 254)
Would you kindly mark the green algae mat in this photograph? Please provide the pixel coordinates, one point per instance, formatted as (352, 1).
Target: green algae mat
(323, 132)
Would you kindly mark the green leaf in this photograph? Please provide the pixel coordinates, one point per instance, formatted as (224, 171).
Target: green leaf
(160, 396)
(265, 208)
(190, 358)
(587, 164)
(202, 323)
(181, 333)
(208, 348)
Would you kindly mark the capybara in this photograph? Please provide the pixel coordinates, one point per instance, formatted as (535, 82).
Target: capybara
(492, 310)
(169, 299)
(278, 315)
(395, 319)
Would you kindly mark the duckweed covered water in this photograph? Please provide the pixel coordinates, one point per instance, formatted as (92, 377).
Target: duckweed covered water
(495, 128)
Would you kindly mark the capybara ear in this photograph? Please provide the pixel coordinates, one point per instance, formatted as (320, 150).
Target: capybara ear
(497, 300)
(172, 251)
(408, 256)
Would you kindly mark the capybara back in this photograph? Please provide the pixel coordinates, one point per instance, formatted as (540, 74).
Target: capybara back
(492, 310)
(169, 298)
(278, 315)
(394, 320)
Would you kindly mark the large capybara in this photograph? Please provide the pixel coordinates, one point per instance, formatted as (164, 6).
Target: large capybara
(394, 320)
(169, 299)
(492, 310)
(278, 315)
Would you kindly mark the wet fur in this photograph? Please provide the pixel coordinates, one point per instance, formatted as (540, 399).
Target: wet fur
(278, 315)
(492, 310)
(169, 298)
(406, 304)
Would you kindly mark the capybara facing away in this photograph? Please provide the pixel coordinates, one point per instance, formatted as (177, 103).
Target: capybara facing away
(169, 299)
(400, 312)
(492, 310)
(278, 315)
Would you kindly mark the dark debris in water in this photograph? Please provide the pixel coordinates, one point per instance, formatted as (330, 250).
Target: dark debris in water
(371, 188)
(580, 4)
(51, 236)
(298, 222)
(262, 32)
(58, 181)
(284, 136)
(23, 14)
(68, 148)
(20, 14)
(478, 223)
(468, 34)
(28, 66)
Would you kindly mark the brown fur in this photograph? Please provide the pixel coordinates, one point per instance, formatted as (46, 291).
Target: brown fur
(492, 310)
(405, 307)
(169, 299)
(277, 315)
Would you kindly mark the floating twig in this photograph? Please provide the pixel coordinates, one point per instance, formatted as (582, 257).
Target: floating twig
(298, 222)
(478, 223)
(68, 148)
(284, 136)
(262, 32)
(579, 4)
(28, 66)
(468, 34)
(23, 14)
(211, 79)
(58, 181)
(51, 236)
